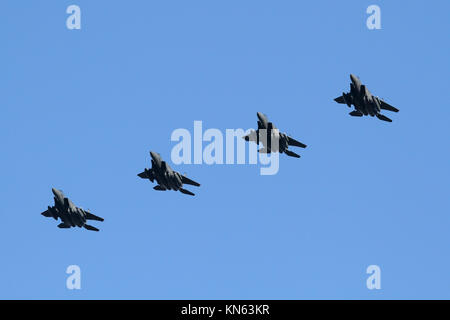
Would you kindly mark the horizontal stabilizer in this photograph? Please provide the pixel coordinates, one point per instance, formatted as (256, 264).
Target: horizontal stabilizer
(356, 113)
(383, 117)
(291, 154)
(90, 216)
(186, 192)
(88, 227)
(295, 143)
(386, 106)
(186, 180)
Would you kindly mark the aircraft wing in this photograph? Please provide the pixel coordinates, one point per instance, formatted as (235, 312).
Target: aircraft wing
(90, 216)
(340, 99)
(47, 214)
(346, 98)
(143, 175)
(386, 106)
(251, 136)
(147, 174)
(186, 180)
(295, 143)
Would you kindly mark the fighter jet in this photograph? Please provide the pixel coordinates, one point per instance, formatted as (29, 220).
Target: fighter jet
(365, 103)
(284, 141)
(166, 178)
(70, 215)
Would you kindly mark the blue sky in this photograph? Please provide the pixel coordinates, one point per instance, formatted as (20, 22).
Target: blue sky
(82, 108)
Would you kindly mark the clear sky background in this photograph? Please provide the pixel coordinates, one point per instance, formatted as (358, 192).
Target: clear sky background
(81, 109)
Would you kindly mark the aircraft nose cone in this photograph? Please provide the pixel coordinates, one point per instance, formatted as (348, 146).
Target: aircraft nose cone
(54, 191)
(353, 78)
(260, 116)
(154, 155)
